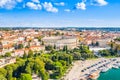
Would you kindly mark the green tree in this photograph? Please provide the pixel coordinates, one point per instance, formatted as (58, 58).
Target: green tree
(28, 46)
(62, 34)
(30, 54)
(28, 69)
(7, 54)
(25, 55)
(9, 72)
(24, 76)
(49, 65)
(76, 56)
(3, 72)
(57, 33)
(112, 44)
(20, 46)
(92, 43)
(85, 52)
(104, 53)
(39, 68)
(65, 48)
(39, 38)
(97, 43)
(117, 39)
(116, 50)
(42, 43)
(2, 77)
(48, 48)
(54, 46)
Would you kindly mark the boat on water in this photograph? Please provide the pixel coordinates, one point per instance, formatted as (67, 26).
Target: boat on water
(115, 67)
(94, 75)
(105, 69)
(118, 64)
(109, 66)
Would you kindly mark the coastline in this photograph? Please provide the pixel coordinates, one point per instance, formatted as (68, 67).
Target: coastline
(76, 72)
(109, 75)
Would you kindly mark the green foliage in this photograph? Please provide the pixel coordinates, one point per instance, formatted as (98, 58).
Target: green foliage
(9, 72)
(53, 65)
(28, 46)
(65, 48)
(39, 68)
(25, 55)
(2, 77)
(7, 54)
(81, 52)
(113, 51)
(3, 72)
(30, 54)
(48, 48)
(42, 43)
(57, 33)
(24, 76)
(39, 38)
(95, 44)
(28, 69)
(20, 46)
(76, 56)
(54, 47)
(49, 65)
(104, 52)
(117, 39)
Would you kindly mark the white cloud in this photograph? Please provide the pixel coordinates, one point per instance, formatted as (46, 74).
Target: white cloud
(67, 10)
(36, 1)
(102, 2)
(34, 6)
(9, 4)
(81, 6)
(99, 2)
(60, 4)
(49, 7)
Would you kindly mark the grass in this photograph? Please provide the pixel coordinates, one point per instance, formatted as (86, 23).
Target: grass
(91, 58)
(110, 57)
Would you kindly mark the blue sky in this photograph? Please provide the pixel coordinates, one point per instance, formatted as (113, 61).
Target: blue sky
(59, 13)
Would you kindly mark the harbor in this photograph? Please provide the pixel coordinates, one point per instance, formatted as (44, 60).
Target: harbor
(91, 69)
(112, 74)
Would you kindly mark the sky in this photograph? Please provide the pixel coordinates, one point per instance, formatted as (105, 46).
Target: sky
(59, 13)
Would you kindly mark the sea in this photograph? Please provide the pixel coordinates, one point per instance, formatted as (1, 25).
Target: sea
(112, 74)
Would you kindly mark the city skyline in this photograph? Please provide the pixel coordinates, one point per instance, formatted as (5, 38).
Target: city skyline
(63, 13)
